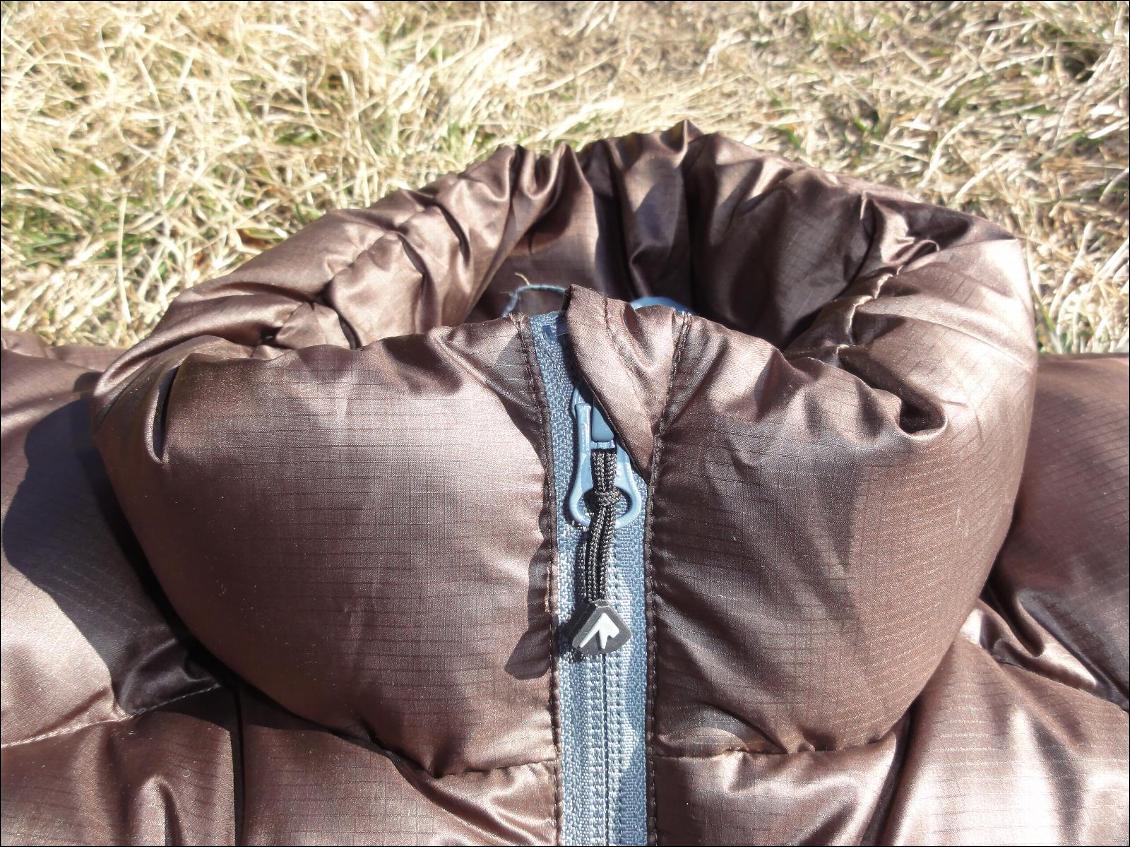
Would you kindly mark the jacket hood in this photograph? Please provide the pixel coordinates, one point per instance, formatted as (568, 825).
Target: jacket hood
(336, 458)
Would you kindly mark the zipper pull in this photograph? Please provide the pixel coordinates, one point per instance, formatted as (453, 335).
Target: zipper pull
(598, 628)
(601, 631)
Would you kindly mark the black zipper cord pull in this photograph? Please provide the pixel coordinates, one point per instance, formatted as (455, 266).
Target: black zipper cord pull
(601, 630)
(598, 548)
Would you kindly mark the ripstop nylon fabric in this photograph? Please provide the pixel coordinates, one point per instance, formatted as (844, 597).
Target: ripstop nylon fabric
(283, 570)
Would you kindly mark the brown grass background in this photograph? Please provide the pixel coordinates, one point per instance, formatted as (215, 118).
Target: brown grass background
(149, 147)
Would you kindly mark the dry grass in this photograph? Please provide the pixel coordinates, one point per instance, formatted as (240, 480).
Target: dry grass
(149, 147)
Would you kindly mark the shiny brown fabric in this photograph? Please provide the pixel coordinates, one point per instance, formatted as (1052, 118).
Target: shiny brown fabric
(335, 622)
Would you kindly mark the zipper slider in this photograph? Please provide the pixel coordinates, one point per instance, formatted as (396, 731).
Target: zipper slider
(595, 433)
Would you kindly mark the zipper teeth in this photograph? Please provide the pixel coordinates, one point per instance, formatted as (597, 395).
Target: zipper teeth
(601, 698)
(606, 754)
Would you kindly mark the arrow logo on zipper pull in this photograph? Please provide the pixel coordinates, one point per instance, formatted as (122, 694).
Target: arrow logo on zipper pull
(602, 632)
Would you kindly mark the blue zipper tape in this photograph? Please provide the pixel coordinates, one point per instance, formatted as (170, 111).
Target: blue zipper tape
(602, 698)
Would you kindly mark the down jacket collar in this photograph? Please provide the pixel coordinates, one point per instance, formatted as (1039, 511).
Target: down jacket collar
(339, 464)
(316, 463)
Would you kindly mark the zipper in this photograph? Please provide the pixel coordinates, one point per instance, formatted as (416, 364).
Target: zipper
(601, 651)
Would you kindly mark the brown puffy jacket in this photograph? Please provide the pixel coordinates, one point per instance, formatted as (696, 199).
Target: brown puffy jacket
(299, 568)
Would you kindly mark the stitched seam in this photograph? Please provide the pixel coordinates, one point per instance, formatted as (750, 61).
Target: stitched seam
(551, 764)
(726, 751)
(649, 577)
(374, 745)
(1005, 664)
(537, 390)
(862, 744)
(71, 729)
(617, 345)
